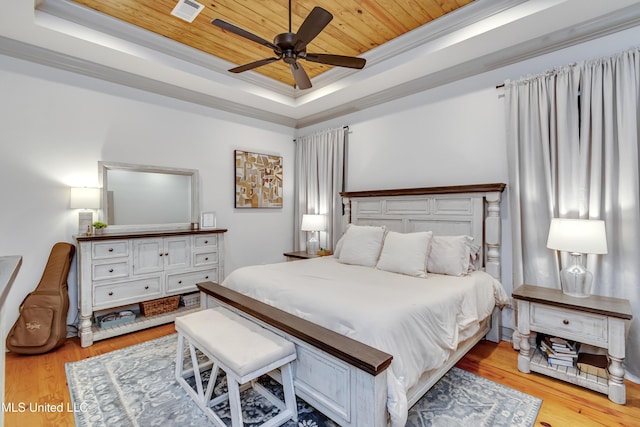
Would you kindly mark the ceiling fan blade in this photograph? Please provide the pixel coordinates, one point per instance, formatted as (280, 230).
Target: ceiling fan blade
(311, 27)
(300, 76)
(338, 60)
(252, 65)
(244, 33)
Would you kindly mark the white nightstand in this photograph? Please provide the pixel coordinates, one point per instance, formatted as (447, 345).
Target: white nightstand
(596, 320)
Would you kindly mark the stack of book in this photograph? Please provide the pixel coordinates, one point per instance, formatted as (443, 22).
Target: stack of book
(558, 351)
(593, 360)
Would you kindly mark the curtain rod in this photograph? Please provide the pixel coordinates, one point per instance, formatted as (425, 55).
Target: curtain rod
(346, 127)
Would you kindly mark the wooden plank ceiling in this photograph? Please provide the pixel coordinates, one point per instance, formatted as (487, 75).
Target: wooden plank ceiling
(357, 26)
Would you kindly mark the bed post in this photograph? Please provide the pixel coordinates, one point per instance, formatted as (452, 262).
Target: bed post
(493, 233)
(493, 240)
(346, 215)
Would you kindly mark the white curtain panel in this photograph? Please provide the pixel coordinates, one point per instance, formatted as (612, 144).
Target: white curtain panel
(573, 152)
(318, 183)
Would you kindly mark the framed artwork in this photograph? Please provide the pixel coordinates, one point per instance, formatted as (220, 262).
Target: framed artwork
(258, 180)
(207, 220)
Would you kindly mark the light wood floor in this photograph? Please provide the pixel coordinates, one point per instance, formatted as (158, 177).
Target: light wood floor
(33, 380)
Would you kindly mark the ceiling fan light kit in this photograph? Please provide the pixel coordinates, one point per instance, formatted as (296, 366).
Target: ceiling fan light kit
(290, 47)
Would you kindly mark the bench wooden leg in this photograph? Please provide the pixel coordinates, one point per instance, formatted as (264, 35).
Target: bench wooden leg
(289, 393)
(180, 356)
(234, 402)
(196, 370)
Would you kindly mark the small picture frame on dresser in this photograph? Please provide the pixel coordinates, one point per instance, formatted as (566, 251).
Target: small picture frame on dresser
(207, 220)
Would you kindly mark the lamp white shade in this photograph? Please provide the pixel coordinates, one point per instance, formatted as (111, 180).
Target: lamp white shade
(84, 198)
(585, 236)
(313, 223)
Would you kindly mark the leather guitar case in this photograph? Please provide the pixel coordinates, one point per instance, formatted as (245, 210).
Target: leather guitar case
(42, 323)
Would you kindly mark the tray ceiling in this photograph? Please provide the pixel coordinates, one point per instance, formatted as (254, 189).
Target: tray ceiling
(357, 26)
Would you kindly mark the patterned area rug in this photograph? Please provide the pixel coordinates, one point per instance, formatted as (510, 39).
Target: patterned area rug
(135, 386)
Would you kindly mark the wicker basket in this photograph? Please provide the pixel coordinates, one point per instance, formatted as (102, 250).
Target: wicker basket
(159, 306)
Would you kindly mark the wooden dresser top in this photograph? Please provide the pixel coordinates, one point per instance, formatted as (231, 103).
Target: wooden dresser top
(143, 234)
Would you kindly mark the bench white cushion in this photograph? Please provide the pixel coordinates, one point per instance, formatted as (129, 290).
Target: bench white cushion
(238, 343)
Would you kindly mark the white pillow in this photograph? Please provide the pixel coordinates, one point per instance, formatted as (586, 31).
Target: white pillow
(405, 253)
(338, 249)
(361, 245)
(449, 255)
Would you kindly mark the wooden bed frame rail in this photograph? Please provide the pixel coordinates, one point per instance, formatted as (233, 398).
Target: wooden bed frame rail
(364, 357)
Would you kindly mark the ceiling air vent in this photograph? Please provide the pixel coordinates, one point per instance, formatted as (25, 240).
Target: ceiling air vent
(187, 10)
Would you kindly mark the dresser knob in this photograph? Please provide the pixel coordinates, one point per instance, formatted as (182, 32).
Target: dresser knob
(206, 259)
(166, 254)
(179, 282)
(110, 294)
(206, 241)
(111, 270)
(161, 254)
(146, 287)
(565, 321)
(110, 249)
(206, 277)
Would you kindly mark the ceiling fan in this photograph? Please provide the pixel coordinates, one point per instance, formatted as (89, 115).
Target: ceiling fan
(293, 46)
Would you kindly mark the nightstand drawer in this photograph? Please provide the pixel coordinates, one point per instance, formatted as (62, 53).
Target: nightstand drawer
(579, 326)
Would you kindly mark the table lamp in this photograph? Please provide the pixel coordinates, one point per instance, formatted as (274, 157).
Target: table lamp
(577, 236)
(313, 223)
(84, 198)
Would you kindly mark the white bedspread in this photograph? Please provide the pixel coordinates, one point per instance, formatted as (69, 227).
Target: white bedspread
(419, 321)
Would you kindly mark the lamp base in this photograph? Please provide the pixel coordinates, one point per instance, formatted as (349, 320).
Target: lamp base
(313, 244)
(85, 222)
(576, 280)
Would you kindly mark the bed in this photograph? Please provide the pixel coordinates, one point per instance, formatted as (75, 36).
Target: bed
(373, 338)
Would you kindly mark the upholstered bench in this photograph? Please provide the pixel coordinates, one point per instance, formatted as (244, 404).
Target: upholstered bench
(244, 351)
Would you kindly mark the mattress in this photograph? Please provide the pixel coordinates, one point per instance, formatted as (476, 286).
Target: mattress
(419, 321)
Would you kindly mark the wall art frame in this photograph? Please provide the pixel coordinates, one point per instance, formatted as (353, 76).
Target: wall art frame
(259, 180)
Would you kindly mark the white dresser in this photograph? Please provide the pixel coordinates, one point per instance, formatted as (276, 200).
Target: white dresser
(116, 271)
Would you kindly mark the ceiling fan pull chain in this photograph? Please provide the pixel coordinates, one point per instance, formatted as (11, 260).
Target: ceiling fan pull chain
(289, 15)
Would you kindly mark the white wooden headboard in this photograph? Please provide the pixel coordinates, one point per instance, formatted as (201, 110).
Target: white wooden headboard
(473, 210)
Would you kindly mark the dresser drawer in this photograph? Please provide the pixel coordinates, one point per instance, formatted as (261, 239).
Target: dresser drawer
(113, 295)
(111, 249)
(182, 282)
(110, 270)
(205, 258)
(208, 241)
(579, 326)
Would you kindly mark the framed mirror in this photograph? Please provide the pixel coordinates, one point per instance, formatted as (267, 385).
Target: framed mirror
(141, 197)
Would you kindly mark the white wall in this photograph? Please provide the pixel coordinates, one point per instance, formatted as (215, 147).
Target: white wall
(454, 134)
(56, 126)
